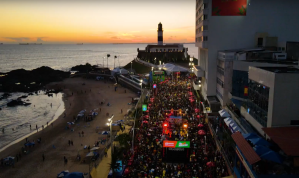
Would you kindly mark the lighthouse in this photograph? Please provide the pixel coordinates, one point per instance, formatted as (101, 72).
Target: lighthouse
(160, 34)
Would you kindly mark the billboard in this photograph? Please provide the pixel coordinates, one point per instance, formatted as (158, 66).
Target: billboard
(229, 7)
(176, 144)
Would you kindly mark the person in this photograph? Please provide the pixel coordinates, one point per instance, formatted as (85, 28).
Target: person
(106, 151)
(69, 142)
(121, 111)
(82, 134)
(30, 126)
(43, 157)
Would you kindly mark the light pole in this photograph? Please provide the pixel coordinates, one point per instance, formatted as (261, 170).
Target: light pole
(114, 61)
(108, 55)
(110, 120)
(141, 89)
(103, 61)
(131, 67)
(118, 61)
(155, 61)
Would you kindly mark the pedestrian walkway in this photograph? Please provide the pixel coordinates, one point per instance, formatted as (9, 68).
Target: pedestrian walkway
(103, 169)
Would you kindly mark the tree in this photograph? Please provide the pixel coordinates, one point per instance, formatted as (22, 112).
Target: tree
(115, 156)
(124, 140)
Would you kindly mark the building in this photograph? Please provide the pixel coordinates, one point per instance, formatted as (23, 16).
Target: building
(272, 97)
(162, 52)
(223, 25)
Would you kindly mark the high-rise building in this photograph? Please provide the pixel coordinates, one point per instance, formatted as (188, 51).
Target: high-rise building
(239, 24)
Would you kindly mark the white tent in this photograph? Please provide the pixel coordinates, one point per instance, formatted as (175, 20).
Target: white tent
(173, 68)
(94, 148)
(224, 113)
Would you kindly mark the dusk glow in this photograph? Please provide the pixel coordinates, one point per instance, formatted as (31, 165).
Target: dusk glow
(104, 21)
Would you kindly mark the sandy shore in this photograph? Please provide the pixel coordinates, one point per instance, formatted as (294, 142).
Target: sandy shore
(32, 164)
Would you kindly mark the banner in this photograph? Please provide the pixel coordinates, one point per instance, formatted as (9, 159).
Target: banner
(144, 107)
(176, 144)
(229, 7)
(245, 91)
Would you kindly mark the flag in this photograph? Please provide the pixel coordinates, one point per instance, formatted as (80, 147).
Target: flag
(246, 91)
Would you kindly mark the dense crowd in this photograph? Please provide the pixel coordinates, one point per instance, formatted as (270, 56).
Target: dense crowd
(174, 98)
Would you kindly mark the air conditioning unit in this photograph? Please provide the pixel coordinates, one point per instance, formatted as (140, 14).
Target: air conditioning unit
(279, 56)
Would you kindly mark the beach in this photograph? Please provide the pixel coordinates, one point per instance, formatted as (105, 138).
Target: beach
(79, 94)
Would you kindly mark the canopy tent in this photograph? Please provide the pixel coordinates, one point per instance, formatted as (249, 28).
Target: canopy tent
(250, 136)
(92, 154)
(232, 125)
(169, 68)
(259, 141)
(224, 113)
(105, 132)
(63, 173)
(74, 175)
(260, 150)
(94, 148)
(272, 156)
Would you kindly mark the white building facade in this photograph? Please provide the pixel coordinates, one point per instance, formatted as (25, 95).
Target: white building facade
(223, 32)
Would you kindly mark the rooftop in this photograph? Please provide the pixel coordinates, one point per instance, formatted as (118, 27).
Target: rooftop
(287, 138)
(280, 69)
(248, 152)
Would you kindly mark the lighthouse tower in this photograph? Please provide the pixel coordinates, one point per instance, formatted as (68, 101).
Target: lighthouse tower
(160, 34)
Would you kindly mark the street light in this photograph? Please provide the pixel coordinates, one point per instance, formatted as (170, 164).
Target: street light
(103, 61)
(155, 61)
(108, 55)
(110, 120)
(118, 61)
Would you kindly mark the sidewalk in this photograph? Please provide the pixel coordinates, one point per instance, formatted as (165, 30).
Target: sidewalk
(103, 169)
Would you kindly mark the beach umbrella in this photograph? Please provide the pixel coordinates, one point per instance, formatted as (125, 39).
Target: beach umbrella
(63, 173)
(201, 132)
(94, 148)
(210, 164)
(90, 154)
(105, 132)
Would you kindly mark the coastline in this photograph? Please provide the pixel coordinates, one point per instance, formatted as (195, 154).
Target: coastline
(57, 114)
(54, 144)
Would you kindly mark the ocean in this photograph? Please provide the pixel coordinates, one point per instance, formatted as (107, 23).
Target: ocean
(17, 120)
(62, 56)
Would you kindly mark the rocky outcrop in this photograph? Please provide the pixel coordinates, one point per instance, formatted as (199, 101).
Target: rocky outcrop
(17, 103)
(21, 80)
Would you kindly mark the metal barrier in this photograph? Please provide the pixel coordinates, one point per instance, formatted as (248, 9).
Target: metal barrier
(221, 149)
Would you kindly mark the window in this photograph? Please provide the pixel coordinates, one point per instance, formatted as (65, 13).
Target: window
(219, 94)
(220, 70)
(204, 38)
(204, 27)
(294, 122)
(283, 48)
(220, 82)
(260, 42)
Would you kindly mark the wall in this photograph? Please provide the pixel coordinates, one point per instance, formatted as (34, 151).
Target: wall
(244, 66)
(252, 121)
(285, 106)
(235, 32)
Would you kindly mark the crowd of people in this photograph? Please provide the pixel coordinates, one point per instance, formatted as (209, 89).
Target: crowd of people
(174, 98)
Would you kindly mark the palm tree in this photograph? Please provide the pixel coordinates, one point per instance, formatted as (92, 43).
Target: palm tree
(124, 140)
(115, 156)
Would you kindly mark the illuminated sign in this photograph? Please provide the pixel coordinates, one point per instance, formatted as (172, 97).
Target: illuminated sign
(144, 107)
(176, 144)
(229, 7)
(245, 91)
(155, 86)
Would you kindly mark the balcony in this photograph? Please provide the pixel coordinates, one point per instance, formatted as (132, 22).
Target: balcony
(226, 56)
(202, 33)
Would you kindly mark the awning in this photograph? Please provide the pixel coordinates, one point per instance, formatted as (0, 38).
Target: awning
(224, 113)
(232, 125)
(286, 138)
(236, 102)
(245, 148)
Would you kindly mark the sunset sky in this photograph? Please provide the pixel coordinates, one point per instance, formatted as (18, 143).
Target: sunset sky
(96, 21)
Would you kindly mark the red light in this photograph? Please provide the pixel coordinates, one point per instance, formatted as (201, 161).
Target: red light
(201, 102)
(185, 125)
(165, 125)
